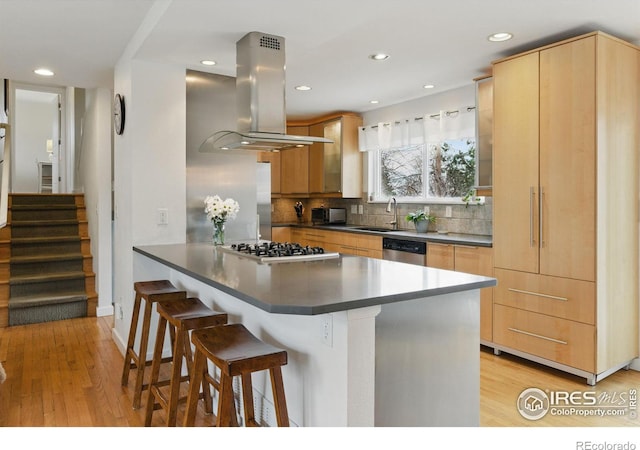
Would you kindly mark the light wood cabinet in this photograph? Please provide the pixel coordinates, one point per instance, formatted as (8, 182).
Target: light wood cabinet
(564, 165)
(478, 261)
(440, 256)
(335, 241)
(469, 259)
(294, 166)
(336, 168)
(281, 234)
(484, 134)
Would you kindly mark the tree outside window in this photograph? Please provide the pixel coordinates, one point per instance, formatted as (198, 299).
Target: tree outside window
(436, 170)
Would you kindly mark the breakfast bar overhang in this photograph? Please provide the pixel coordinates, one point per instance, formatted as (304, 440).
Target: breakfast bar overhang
(370, 342)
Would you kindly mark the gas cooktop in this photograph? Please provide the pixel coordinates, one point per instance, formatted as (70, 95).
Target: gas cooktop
(268, 251)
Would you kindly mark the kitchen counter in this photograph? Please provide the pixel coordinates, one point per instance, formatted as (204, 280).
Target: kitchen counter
(369, 342)
(311, 287)
(449, 238)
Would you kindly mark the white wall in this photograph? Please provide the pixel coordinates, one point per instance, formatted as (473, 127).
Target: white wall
(431, 104)
(94, 179)
(149, 171)
(34, 126)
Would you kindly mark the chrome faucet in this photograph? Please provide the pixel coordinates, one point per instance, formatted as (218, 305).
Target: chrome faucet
(394, 222)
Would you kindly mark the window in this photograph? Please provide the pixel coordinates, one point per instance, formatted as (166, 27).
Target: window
(441, 167)
(423, 173)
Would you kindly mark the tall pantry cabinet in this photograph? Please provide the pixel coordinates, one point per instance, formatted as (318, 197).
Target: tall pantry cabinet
(565, 203)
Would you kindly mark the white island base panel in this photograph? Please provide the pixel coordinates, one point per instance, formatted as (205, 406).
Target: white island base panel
(410, 363)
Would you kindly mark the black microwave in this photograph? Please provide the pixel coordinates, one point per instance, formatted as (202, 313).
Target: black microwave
(328, 215)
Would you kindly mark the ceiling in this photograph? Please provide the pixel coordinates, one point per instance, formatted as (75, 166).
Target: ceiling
(327, 41)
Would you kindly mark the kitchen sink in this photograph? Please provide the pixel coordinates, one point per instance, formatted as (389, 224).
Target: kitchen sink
(373, 229)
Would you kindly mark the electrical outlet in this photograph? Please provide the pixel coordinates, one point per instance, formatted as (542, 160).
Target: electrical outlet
(163, 216)
(426, 210)
(447, 211)
(360, 209)
(354, 209)
(327, 329)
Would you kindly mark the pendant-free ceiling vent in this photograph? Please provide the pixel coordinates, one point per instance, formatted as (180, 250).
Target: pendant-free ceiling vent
(260, 94)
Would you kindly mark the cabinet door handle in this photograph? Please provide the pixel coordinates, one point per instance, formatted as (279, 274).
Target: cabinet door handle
(546, 338)
(541, 220)
(538, 294)
(532, 194)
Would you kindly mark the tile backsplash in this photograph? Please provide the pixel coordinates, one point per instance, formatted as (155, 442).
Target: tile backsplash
(471, 219)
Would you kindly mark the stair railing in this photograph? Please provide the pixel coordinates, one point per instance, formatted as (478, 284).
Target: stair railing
(5, 165)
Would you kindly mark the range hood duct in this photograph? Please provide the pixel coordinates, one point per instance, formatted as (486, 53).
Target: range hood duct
(260, 93)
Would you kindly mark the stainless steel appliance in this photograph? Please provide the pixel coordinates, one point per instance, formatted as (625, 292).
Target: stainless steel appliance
(211, 103)
(401, 250)
(263, 191)
(260, 88)
(272, 252)
(328, 215)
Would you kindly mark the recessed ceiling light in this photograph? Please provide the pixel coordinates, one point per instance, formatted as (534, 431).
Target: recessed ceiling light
(208, 62)
(44, 72)
(303, 88)
(499, 37)
(379, 56)
(374, 102)
(429, 86)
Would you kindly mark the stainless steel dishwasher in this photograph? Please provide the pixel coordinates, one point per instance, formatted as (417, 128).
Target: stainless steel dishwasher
(403, 250)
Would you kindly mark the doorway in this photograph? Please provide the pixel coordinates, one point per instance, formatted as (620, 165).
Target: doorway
(38, 151)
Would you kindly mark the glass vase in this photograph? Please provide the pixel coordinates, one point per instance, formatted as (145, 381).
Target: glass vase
(218, 233)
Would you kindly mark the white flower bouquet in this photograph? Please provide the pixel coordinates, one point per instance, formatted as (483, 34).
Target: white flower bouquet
(218, 211)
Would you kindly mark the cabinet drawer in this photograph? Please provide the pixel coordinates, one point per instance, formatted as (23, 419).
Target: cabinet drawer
(440, 256)
(369, 242)
(316, 235)
(348, 249)
(554, 296)
(476, 260)
(369, 253)
(560, 340)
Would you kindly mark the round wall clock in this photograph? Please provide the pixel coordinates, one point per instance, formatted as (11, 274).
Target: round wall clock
(118, 113)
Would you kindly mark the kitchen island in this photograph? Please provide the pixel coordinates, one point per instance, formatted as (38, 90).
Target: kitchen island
(370, 342)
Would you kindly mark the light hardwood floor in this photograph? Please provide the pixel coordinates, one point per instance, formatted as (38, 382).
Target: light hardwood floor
(67, 373)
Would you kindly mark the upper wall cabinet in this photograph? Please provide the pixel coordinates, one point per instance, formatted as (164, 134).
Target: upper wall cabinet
(484, 133)
(294, 166)
(336, 169)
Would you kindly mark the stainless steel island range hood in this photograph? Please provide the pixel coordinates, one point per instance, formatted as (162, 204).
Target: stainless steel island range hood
(260, 93)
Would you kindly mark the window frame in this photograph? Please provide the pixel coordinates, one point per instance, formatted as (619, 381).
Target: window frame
(374, 179)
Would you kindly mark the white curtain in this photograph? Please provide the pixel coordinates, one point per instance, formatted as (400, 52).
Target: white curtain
(458, 124)
(452, 124)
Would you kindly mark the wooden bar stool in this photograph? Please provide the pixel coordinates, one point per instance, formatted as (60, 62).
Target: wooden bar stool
(235, 351)
(181, 316)
(150, 292)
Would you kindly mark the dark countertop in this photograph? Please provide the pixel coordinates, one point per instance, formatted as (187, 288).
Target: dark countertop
(449, 238)
(311, 287)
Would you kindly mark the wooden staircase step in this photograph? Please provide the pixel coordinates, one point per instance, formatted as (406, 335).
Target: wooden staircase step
(45, 258)
(50, 199)
(41, 206)
(35, 240)
(43, 223)
(46, 278)
(29, 301)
